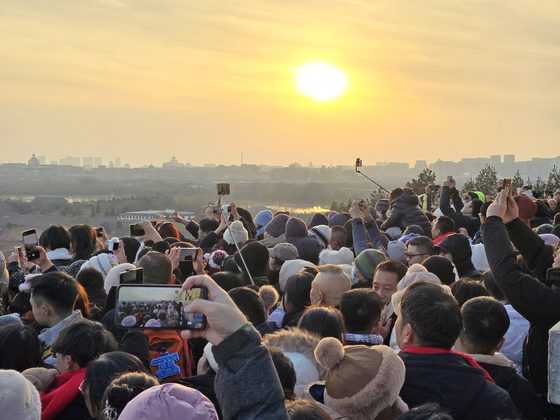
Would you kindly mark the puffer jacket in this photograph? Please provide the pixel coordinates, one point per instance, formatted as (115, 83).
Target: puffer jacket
(405, 211)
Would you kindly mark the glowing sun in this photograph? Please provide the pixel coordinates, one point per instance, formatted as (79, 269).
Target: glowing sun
(321, 81)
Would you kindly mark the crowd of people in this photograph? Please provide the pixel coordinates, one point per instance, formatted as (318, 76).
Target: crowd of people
(402, 311)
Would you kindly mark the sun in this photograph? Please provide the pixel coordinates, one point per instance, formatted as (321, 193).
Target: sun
(321, 81)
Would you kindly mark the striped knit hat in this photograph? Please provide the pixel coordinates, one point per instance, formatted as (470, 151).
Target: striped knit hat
(367, 261)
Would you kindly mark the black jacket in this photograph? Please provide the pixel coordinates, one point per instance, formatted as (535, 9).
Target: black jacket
(406, 211)
(449, 380)
(535, 301)
(471, 223)
(459, 247)
(522, 393)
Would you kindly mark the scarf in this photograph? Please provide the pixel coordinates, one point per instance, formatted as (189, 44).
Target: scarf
(65, 391)
(433, 350)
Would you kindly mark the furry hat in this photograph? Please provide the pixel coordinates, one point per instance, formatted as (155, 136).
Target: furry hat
(367, 262)
(103, 262)
(295, 228)
(318, 219)
(236, 233)
(277, 226)
(19, 400)
(269, 296)
(322, 233)
(361, 381)
(527, 207)
(330, 256)
(284, 251)
(291, 267)
(339, 219)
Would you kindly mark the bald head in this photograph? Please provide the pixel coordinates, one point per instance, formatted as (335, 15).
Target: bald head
(329, 285)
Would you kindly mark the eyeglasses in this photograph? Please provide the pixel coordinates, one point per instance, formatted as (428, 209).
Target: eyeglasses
(407, 255)
(81, 386)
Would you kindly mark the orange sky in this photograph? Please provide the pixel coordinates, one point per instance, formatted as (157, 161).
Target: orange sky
(207, 80)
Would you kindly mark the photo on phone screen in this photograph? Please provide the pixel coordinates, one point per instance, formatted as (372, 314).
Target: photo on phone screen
(137, 230)
(30, 244)
(189, 254)
(159, 307)
(132, 276)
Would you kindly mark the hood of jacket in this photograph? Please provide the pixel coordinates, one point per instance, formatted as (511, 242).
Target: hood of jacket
(407, 198)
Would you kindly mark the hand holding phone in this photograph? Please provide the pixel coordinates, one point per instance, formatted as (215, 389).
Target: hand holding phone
(30, 244)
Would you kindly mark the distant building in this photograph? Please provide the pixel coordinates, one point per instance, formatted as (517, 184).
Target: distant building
(420, 165)
(495, 160)
(33, 161)
(126, 166)
(509, 159)
(151, 215)
(117, 162)
(42, 160)
(54, 162)
(62, 161)
(172, 163)
(88, 162)
(97, 162)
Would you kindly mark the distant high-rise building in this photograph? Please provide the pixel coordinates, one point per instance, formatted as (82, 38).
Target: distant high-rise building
(420, 165)
(117, 162)
(97, 162)
(111, 164)
(42, 159)
(495, 159)
(54, 162)
(88, 162)
(74, 161)
(509, 159)
(62, 161)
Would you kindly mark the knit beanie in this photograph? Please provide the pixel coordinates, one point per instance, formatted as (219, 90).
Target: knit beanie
(441, 267)
(277, 226)
(262, 219)
(542, 210)
(367, 262)
(284, 251)
(544, 229)
(332, 214)
(330, 256)
(19, 400)
(103, 262)
(114, 276)
(394, 232)
(295, 228)
(397, 251)
(169, 402)
(322, 233)
(236, 233)
(256, 257)
(527, 207)
(10, 319)
(361, 381)
(318, 219)
(382, 205)
(216, 260)
(289, 268)
(339, 219)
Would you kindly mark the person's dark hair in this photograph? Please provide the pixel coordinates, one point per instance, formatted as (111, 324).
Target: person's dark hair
(445, 224)
(131, 247)
(249, 224)
(54, 237)
(230, 265)
(122, 390)
(491, 286)
(323, 321)
(476, 206)
(208, 225)
(157, 268)
(361, 310)
(91, 277)
(249, 302)
(392, 266)
(82, 303)
(21, 303)
(285, 370)
(83, 240)
(395, 193)
(305, 410)
(339, 234)
(465, 289)
(20, 348)
(413, 229)
(431, 411)
(485, 322)
(557, 218)
(102, 371)
(59, 290)
(84, 341)
(297, 289)
(434, 314)
(226, 280)
(483, 208)
(424, 244)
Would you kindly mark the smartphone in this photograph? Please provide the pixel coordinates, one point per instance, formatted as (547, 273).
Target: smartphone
(99, 232)
(226, 209)
(30, 244)
(159, 307)
(132, 276)
(507, 185)
(189, 253)
(223, 189)
(137, 230)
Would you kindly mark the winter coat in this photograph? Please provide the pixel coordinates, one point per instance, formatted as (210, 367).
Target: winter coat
(471, 223)
(299, 346)
(405, 211)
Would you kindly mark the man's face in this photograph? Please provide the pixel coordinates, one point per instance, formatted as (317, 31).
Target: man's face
(385, 285)
(467, 209)
(414, 255)
(443, 253)
(38, 313)
(435, 231)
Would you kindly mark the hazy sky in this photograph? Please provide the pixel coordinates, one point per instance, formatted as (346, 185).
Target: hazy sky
(207, 80)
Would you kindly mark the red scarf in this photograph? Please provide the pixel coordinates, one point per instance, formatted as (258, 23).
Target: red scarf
(433, 350)
(442, 237)
(64, 392)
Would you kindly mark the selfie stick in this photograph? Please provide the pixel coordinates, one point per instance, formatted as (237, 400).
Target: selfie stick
(238, 250)
(357, 170)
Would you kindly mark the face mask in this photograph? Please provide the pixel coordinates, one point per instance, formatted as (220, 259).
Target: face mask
(353, 275)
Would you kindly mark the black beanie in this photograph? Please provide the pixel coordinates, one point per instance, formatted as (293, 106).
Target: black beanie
(441, 267)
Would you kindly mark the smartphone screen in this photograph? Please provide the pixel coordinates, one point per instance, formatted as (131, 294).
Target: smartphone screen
(133, 276)
(189, 253)
(156, 307)
(136, 230)
(30, 244)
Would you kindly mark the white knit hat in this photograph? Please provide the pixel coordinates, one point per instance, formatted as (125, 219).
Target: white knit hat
(238, 233)
(342, 256)
(103, 263)
(19, 400)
